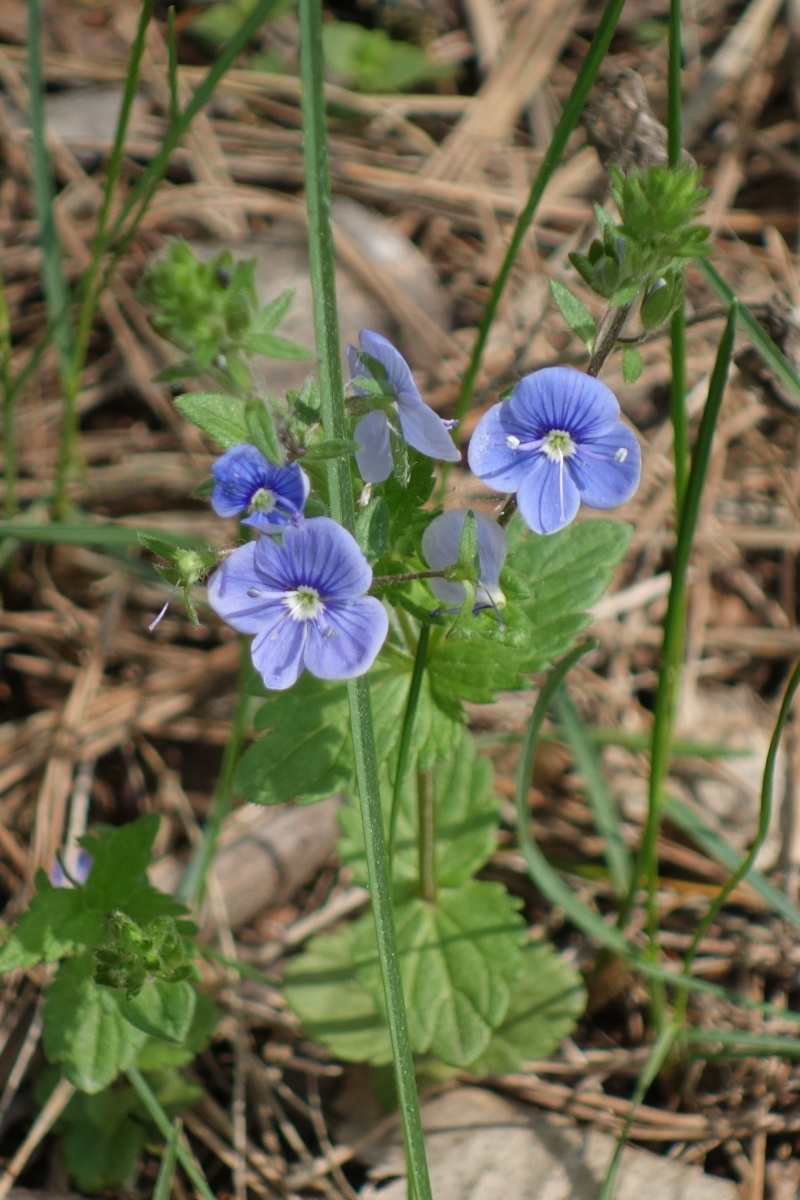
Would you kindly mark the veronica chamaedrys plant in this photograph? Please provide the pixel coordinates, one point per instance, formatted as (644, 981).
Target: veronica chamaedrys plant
(378, 371)
(557, 442)
(305, 600)
(441, 546)
(270, 496)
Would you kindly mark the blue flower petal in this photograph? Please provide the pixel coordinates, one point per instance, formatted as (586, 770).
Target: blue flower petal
(241, 594)
(548, 497)
(491, 458)
(321, 555)
(277, 652)
(563, 398)
(374, 459)
(426, 432)
(440, 546)
(392, 361)
(607, 469)
(345, 642)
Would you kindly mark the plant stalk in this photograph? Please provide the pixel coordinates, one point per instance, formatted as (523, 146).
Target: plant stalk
(611, 326)
(334, 420)
(165, 1128)
(426, 818)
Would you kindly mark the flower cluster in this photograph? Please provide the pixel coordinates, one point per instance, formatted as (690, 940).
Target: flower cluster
(301, 587)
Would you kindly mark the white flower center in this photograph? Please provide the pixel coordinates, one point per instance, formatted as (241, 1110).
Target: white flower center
(558, 445)
(304, 604)
(263, 501)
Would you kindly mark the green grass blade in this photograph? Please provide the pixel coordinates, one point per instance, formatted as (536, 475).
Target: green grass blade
(162, 1123)
(606, 813)
(764, 344)
(722, 852)
(55, 288)
(82, 533)
(741, 1045)
(163, 1186)
(172, 66)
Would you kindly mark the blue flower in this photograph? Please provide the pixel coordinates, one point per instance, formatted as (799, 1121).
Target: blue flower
(557, 441)
(304, 599)
(419, 425)
(245, 482)
(440, 546)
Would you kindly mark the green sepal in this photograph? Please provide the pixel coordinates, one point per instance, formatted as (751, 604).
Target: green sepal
(632, 365)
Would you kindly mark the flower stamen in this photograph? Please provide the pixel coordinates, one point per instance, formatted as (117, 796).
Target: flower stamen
(304, 604)
(262, 501)
(558, 445)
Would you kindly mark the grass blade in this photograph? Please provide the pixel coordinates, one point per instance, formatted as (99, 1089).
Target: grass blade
(83, 533)
(163, 1185)
(604, 808)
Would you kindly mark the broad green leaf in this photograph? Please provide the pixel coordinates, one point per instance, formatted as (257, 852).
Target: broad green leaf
(574, 312)
(156, 1055)
(457, 955)
(545, 1002)
(472, 671)
(405, 503)
(84, 1031)
(102, 1140)
(120, 858)
(57, 924)
(466, 821)
(435, 733)
(556, 579)
(631, 364)
(221, 417)
(304, 753)
(372, 528)
(321, 986)
(163, 1010)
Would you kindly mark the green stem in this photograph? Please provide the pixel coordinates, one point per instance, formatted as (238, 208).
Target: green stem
(407, 731)
(172, 66)
(334, 421)
(10, 469)
(678, 413)
(566, 125)
(674, 633)
(426, 820)
(674, 139)
(165, 1128)
(193, 884)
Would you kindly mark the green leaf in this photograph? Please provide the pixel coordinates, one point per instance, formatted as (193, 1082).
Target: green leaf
(404, 503)
(261, 430)
(120, 858)
(156, 1054)
(472, 671)
(57, 924)
(272, 346)
(102, 1141)
(370, 61)
(270, 317)
(221, 417)
(574, 312)
(628, 291)
(321, 986)
(332, 448)
(466, 821)
(631, 364)
(589, 274)
(435, 732)
(372, 528)
(556, 578)
(457, 955)
(305, 753)
(545, 1003)
(163, 1010)
(84, 1031)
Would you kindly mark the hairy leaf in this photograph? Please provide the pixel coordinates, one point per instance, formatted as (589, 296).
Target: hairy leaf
(163, 1010)
(57, 924)
(221, 417)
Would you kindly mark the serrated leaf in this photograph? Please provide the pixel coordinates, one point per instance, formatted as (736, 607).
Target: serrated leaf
(457, 955)
(221, 417)
(631, 364)
(57, 924)
(303, 754)
(556, 579)
(84, 1031)
(270, 317)
(120, 858)
(163, 1010)
(574, 312)
(156, 1054)
(545, 1002)
(472, 670)
(322, 988)
(466, 821)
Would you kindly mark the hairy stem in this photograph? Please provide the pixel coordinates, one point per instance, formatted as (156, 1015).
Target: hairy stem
(334, 421)
(611, 326)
